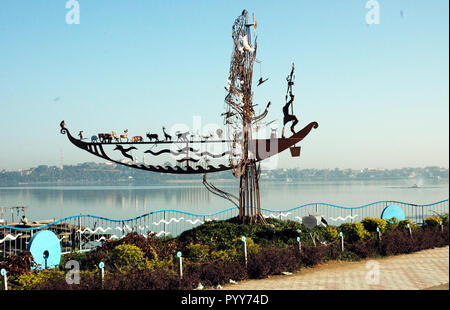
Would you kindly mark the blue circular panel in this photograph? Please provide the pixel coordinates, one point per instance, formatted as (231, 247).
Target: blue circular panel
(45, 244)
(393, 211)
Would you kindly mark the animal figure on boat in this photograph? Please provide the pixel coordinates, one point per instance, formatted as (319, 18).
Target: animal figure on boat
(152, 136)
(125, 151)
(210, 136)
(166, 135)
(182, 136)
(124, 136)
(94, 138)
(137, 139)
(114, 136)
(105, 137)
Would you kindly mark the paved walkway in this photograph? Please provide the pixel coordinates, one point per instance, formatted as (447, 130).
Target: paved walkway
(419, 270)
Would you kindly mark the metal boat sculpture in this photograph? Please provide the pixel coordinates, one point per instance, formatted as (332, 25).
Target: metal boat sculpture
(264, 148)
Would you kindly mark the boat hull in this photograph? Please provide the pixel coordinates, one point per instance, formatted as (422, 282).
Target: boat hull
(261, 149)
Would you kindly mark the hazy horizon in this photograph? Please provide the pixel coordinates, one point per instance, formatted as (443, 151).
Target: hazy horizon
(109, 163)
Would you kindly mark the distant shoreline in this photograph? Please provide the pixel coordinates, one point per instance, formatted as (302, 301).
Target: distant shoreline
(93, 174)
(222, 181)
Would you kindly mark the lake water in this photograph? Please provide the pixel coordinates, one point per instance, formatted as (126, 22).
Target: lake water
(124, 202)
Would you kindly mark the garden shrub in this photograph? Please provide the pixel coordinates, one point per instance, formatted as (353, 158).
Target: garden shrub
(433, 221)
(126, 257)
(370, 224)
(149, 245)
(333, 252)
(332, 233)
(18, 264)
(219, 235)
(37, 278)
(348, 255)
(145, 280)
(272, 261)
(403, 225)
(83, 259)
(444, 217)
(238, 245)
(213, 273)
(52, 279)
(224, 255)
(392, 224)
(363, 249)
(312, 255)
(354, 232)
(197, 252)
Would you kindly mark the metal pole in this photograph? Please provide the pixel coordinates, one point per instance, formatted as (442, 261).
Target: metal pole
(181, 264)
(79, 235)
(164, 213)
(423, 219)
(245, 250)
(5, 279)
(101, 265)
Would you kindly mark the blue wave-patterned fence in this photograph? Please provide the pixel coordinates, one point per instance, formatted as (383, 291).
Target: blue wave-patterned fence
(85, 232)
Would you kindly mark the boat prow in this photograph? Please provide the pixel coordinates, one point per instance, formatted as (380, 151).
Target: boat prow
(265, 148)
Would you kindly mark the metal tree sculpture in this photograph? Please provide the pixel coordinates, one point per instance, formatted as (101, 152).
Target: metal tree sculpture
(244, 151)
(240, 118)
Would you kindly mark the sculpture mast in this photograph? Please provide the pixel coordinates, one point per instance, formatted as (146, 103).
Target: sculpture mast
(240, 118)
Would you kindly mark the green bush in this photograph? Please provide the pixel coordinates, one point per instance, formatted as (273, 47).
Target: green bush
(80, 257)
(433, 221)
(332, 233)
(219, 235)
(126, 257)
(224, 255)
(392, 224)
(197, 253)
(443, 216)
(354, 232)
(370, 224)
(41, 278)
(37, 278)
(238, 245)
(403, 224)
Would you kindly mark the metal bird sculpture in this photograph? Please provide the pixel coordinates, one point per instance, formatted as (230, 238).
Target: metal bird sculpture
(125, 151)
(260, 81)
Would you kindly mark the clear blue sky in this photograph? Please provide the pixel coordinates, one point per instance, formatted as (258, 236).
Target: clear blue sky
(379, 92)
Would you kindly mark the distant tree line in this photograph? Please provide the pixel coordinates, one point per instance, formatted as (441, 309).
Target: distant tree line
(106, 174)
